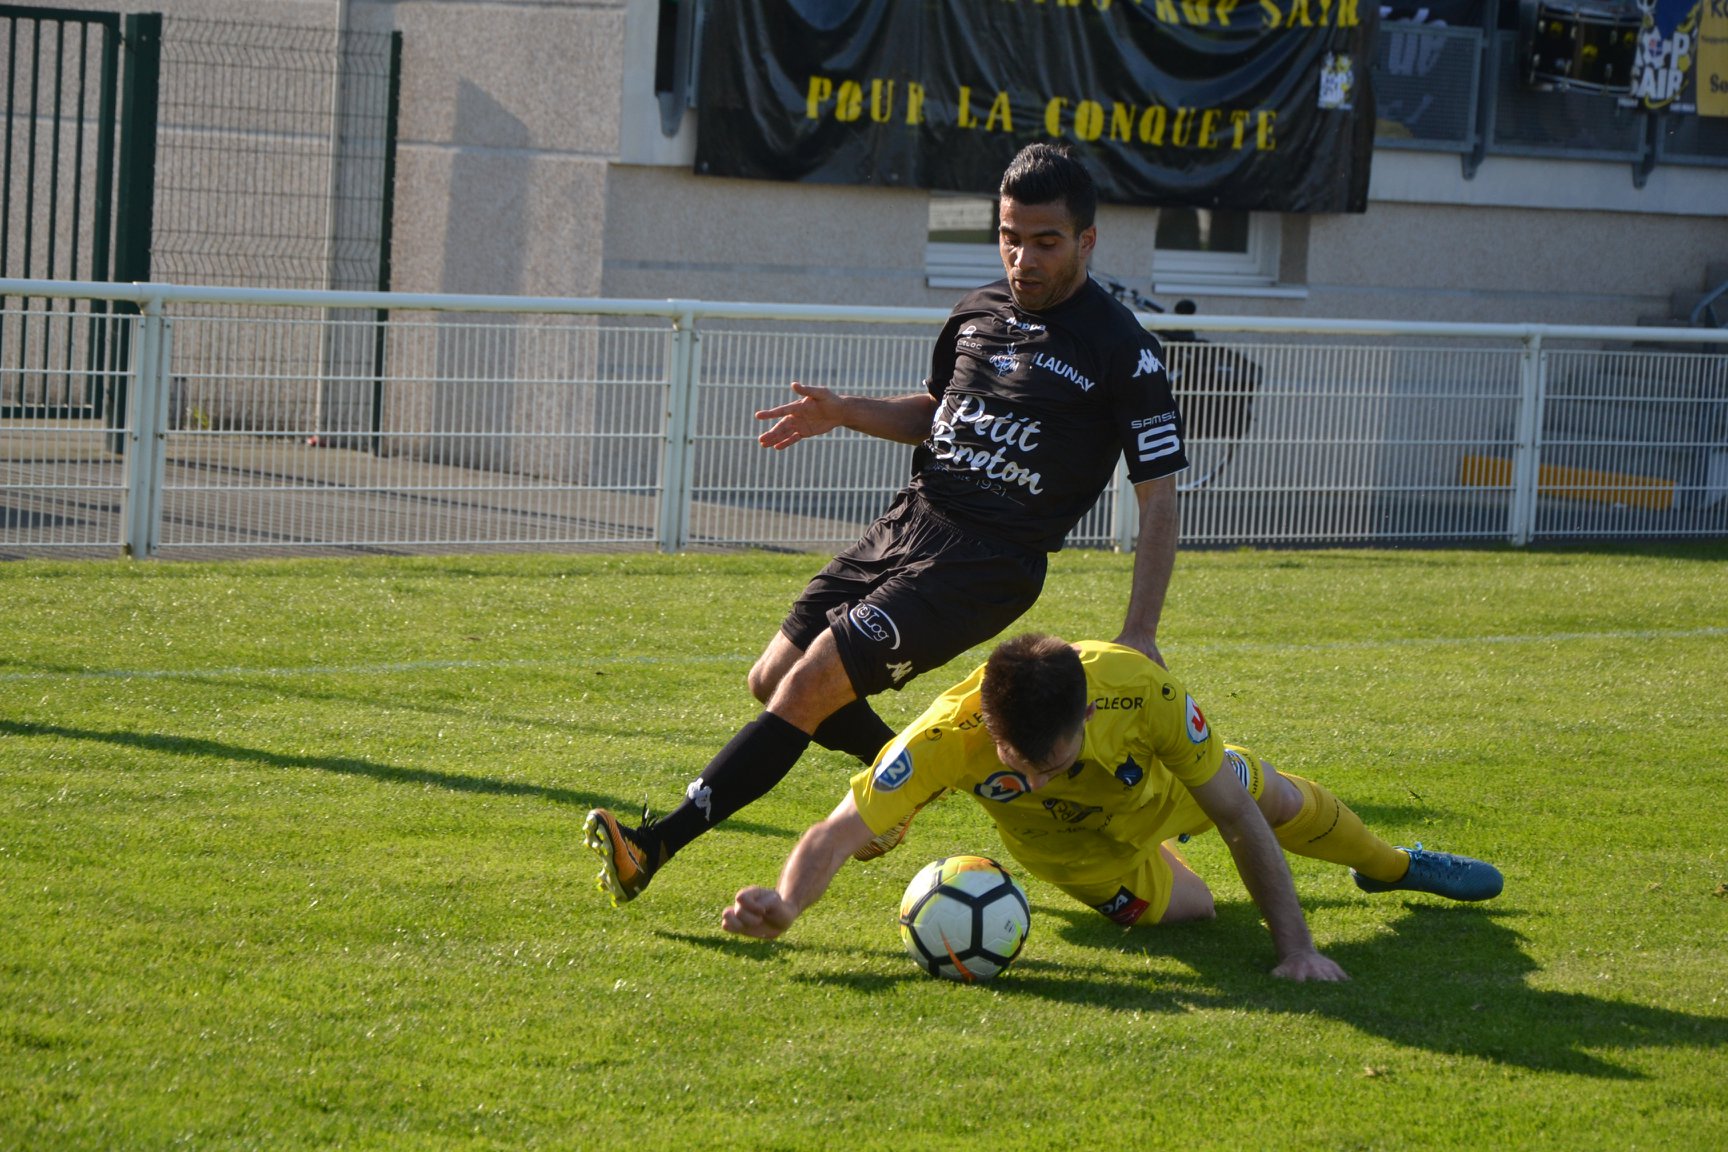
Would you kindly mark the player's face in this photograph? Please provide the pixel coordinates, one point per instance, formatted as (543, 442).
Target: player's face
(1063, 755)
(1043, 254)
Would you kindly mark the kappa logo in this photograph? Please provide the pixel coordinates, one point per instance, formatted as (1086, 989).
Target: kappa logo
(1003, 787)
(1149, 363)
(699, 794)
(1198, 731)
(876, 624)
(1024, 325)
(899, 672)
(894, 771)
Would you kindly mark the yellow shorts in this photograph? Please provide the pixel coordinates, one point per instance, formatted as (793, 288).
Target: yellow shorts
(1145, 888)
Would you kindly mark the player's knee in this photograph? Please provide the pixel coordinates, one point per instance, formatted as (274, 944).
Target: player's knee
(1189, 903)
(1280, 799)
(763, 680)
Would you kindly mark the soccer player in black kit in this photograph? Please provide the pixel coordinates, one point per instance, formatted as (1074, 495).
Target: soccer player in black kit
(1038, 383)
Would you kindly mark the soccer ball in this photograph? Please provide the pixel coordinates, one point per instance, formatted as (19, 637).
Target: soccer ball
(964, 918)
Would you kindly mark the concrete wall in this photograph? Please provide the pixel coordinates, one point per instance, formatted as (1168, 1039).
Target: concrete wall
(531, 161)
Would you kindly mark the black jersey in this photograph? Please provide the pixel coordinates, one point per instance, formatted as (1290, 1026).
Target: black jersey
(1035, 407)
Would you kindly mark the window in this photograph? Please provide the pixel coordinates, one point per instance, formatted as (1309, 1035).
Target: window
(1215, 247)
(960, 251)
(1196, 247)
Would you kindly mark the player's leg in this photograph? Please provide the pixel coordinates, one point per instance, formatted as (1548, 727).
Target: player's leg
(1190, 899)
(759, 756)
(1310, 821)
(1161, 889)
(853, 728)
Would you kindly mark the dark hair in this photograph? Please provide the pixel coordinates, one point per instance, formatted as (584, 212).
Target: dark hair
(1034, 693)
(1045, 173)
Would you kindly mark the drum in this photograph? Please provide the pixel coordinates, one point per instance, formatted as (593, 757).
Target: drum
(1575, 47)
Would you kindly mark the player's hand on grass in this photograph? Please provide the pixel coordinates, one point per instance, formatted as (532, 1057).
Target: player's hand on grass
(817, 410)
(758, 912)
(1309, 966)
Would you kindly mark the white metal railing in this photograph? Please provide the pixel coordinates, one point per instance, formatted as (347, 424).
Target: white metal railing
(173, 420)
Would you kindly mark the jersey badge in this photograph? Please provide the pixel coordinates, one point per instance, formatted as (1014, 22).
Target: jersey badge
(1003, 786)
(894, 772)
(1244, 771)
(1198, 730)
(1130, 773)
(1005, 363)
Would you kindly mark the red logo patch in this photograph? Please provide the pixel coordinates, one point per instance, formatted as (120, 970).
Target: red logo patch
(1198, 732)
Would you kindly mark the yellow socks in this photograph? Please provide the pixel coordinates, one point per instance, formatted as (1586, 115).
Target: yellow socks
(1327, 830)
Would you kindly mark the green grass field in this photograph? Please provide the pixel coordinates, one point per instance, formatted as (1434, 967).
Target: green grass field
(289, 857)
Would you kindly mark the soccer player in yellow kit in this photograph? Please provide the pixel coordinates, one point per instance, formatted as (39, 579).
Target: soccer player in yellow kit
(1091, 759)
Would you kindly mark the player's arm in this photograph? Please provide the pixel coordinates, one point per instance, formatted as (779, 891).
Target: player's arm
(1154, 560)
(767, 912)
(1265, 872)
(904, 419)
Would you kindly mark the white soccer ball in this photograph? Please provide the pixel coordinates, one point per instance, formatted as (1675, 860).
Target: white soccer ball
(964, 918)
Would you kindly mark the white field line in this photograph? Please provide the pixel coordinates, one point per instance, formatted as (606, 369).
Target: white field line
(580, 661)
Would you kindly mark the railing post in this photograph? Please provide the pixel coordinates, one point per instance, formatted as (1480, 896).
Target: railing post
(675, 471)
(1527, 451)
(148, 419)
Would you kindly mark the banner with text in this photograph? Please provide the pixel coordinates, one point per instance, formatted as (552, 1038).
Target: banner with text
(1261, 105)
(1713, 59)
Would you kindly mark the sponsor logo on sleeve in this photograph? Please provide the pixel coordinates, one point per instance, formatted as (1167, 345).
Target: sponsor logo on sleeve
(1198, 730)
(894, 771)
(1238, 765)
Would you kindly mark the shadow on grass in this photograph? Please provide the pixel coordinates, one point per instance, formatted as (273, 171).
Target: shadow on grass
(1452, 979)
(342, 765)
(1447, 979)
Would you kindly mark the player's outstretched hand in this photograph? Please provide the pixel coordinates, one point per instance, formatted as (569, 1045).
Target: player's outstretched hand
(1309, 966)
(817, 410)
(758, 912)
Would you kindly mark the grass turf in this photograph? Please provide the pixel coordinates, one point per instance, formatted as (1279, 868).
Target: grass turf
(289, 857)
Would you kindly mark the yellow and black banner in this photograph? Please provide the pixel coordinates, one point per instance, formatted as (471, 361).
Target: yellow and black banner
(1249, 104)
(1713, 58)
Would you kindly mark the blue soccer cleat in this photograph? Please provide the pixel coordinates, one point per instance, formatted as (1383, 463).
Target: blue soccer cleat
(1443, 874)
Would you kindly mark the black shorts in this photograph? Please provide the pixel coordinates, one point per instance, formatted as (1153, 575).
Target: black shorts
(914, 592)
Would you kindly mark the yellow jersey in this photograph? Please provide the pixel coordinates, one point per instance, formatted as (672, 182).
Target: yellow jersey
(1147, 741)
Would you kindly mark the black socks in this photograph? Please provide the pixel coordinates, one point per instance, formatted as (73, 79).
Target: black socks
(856, 730)
(755, 760)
